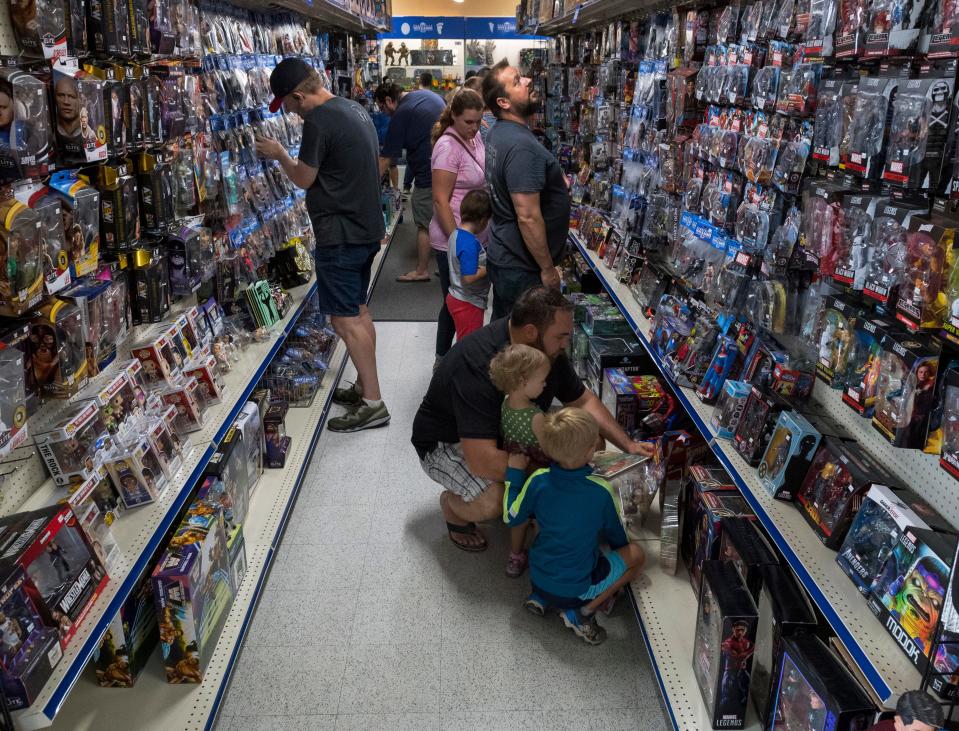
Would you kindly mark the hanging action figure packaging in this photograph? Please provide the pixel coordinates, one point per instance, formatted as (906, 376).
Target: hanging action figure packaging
(81, 221)
(905, 394)
(26, 138)
(867, 130)
(922, 301)
(21, 247)
(885, 514)
(919, 130)
(80, 116)
(756, 426)
(119, 209)
(862, 379)
(58, 349)
(893, 27)
(49, 29)
(724, 643)
(836, 340)
(788, 456)
(835, 486)
(887, 259)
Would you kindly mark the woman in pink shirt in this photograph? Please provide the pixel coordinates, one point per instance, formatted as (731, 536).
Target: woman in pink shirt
(458, 164)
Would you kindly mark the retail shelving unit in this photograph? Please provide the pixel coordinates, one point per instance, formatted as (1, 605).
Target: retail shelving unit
(139, 534)
(879, 660)
(324, 11)
(591, 12)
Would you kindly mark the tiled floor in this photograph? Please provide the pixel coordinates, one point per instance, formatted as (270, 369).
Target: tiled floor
(372, 619)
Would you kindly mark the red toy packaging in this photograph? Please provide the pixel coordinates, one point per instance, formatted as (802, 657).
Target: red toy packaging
(64, 575)
(161, 362)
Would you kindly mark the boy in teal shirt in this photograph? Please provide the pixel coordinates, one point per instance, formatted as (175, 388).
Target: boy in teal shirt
(568, 568)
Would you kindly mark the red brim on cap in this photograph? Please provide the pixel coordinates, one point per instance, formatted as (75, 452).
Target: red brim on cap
(276, 104)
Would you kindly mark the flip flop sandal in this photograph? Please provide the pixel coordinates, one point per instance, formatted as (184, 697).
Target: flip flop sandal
(469, 530)
(408, 280)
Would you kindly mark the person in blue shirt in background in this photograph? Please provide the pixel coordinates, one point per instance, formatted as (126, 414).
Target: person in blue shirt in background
(412, 116)
(574, 511)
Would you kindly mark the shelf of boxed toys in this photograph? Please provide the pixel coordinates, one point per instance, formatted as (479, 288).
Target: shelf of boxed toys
(880, 661)
(154, 702)
(662, 602)
(595, 11)
(139, 532)
(324, 11)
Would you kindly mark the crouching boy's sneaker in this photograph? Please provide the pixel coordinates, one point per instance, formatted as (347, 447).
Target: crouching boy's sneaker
(585, 627)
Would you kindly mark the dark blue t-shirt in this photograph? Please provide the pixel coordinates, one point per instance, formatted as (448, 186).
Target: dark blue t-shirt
(410, 129)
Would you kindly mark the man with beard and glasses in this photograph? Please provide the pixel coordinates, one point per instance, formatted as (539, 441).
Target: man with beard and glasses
(456, 431)
(528, 191)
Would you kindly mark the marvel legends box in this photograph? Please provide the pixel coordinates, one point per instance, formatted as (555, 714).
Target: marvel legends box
(701, 478)
(885, 513)
(908, 592)
(744, 546)
(707, 517)
(724, 644)
(815, 691)
(784, 611)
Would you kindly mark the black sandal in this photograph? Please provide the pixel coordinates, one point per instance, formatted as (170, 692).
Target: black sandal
(470, 530)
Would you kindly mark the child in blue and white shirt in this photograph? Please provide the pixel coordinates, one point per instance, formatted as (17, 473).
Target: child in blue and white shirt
(469, 285)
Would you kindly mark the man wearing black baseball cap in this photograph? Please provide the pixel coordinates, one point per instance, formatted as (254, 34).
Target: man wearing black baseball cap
(338, 166)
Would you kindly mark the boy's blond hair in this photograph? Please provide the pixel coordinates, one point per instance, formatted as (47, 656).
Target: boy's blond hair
(514, 365)
(567, 434)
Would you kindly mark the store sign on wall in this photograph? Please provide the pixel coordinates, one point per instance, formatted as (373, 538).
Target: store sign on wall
(418, 26)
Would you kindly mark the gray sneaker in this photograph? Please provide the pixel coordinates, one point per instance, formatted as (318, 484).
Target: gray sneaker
(362, 417)
(350, 397)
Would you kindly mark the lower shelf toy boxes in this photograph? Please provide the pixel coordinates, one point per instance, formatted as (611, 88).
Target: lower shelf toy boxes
(29, 648)
(129, 640)
(64, 575)
(193, 589)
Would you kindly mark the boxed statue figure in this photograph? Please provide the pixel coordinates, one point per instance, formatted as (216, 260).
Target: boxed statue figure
(788, 455)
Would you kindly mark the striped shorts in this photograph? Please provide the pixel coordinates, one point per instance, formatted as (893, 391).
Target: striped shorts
(446, 465)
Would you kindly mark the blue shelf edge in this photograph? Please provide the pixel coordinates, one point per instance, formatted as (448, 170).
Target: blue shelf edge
(59, 696)
(858, 655)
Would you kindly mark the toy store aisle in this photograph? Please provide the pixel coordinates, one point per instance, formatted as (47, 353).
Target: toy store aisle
(371, 618)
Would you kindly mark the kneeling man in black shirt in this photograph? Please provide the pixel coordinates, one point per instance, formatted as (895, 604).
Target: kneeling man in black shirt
(456, 431)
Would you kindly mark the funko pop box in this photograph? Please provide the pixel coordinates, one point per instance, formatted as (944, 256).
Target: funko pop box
(724, 644)
(64, 576)
(908, 593)
(885, 513)
(29, 646)
(813, 688)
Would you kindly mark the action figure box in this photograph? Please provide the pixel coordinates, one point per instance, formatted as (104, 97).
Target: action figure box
(624, 353)
(102, 308)
(701, 478)
(91, 503)
(629, 398)
(875, 531)
(57, 349)
(863, 375)
(236, 546)
(922, 303)
(835, 486)
(56, 258)
(119, 207)
(724, 643)
(274, 428)
(193, 590)
(944, 675)
(21, 239)
(129, 640)
(249, 423)
(835, 341)
(64, 575)
(81, 121)
(229, 466)
(949, 457)
(864, 154)
(69, 450)
(606, 321)
(815, 691)
(729, 408)
(81, 220)
(789, 453)
(909, 591)
(756, 425)
(906, 392)
(29, 647)
(744, 546)
(784, 611)
(149, 285)
(707, 519)
(161, 438)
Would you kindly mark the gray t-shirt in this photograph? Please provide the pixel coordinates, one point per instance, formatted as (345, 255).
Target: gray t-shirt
(339, 139)
(516, 162)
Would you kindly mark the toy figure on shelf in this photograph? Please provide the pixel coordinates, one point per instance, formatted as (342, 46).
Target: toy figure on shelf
(390, 53)
(404, 53)
(718, 370)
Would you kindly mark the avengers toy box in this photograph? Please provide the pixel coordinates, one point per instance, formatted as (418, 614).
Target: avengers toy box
(702, 478)
(29, 647)
(744, 546)
(756, 425)
(908, 593)
(229, 466)
(835, 486)
(729, 408)
(129, 641)
(64, 576)
(815, 691)
(943, 678)
(193, 589)
(906, 395)
(875, 531)
(788, 455)
(724, 644)
(784, 611)
(631, 398)
(863, 377)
